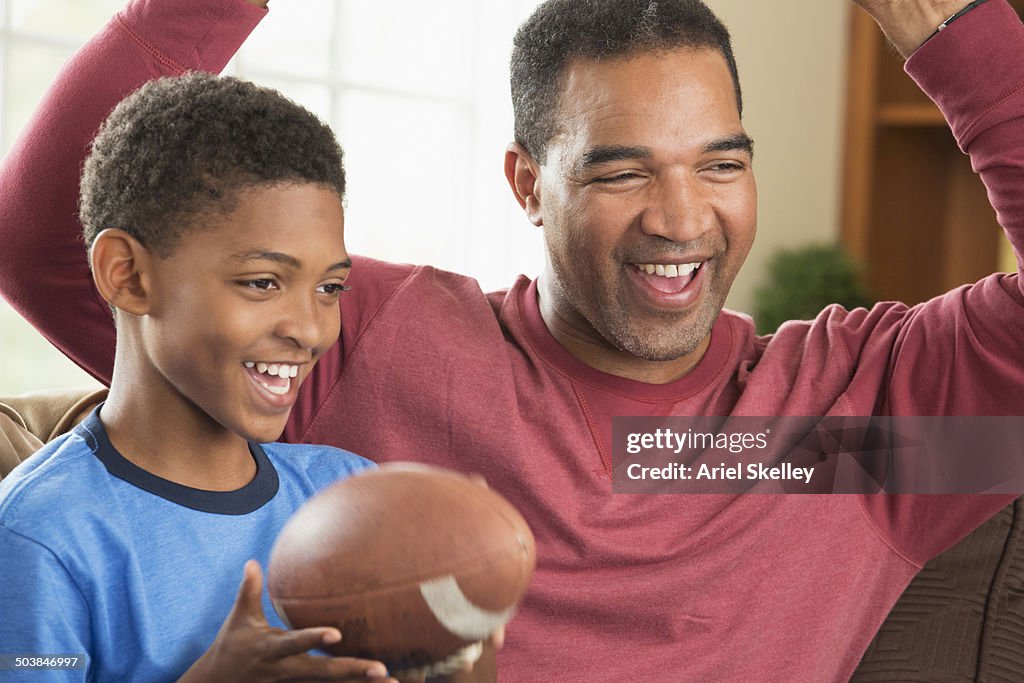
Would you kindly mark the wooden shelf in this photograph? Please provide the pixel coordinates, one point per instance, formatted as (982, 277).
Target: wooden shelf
(913, 114)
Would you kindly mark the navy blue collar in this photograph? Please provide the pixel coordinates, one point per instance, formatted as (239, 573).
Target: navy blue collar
(249, 498)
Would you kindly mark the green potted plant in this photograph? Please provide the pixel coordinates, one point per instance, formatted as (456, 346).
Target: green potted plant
(803, 280)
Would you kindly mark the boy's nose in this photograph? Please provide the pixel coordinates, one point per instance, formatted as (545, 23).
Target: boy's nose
(309, 324)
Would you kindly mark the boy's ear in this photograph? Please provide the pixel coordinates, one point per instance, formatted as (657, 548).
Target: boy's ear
(121, 271)
(523, 174)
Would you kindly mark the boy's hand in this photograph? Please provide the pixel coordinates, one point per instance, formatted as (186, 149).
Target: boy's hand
(909, 23)
(247, 648)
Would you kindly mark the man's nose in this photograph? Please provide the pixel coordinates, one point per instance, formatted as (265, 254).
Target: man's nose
(680, 209)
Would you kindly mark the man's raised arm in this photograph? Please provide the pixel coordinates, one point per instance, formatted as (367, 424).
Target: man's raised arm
(908, 24)
(966, 56)
(959, 354)
(44, 270)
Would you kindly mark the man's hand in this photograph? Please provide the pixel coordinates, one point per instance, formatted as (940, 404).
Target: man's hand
(908, 23)
(247, 648)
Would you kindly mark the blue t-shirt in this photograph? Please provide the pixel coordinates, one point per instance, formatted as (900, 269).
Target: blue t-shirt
(103, 559)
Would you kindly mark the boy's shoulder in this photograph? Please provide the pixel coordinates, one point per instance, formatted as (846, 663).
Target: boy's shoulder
(62, 474)
(66, 482)
(321, 465)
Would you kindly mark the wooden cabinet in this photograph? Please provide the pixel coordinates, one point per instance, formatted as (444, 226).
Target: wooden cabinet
(914, 213)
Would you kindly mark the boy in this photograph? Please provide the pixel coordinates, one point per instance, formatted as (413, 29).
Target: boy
(213, 214)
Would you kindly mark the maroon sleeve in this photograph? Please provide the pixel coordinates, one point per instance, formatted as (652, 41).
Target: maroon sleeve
(44, 271)
(960, 354)
(974, 71)
(373, 283)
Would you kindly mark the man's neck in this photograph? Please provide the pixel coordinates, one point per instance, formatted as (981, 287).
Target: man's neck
(580, 339)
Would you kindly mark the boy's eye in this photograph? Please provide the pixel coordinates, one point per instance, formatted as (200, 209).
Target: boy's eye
(265, 284)
(333, 288)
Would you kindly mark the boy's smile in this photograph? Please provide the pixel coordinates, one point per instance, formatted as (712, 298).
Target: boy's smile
(273, 377)
(236, 316)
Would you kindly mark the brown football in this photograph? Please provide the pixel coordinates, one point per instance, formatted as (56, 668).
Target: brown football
(414, 565)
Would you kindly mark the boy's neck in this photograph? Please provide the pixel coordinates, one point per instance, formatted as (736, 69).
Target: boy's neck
(173, 439)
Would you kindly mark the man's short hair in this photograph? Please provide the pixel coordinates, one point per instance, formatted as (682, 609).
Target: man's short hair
(180, 148)
(562, 31)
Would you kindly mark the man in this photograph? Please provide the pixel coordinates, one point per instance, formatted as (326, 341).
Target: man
(631, 154)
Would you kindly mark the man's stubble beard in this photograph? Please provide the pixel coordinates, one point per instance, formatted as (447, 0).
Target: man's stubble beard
(611, 320)
(675, 339)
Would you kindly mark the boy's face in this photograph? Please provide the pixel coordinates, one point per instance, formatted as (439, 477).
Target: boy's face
(244, 307)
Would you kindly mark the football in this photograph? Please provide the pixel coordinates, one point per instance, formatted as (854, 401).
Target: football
(415, 565)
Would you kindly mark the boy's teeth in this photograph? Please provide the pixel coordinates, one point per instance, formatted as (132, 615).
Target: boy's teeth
(676, 270)
(273, 369)
(281, 390)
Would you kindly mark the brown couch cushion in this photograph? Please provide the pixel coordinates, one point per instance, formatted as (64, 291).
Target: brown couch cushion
(962, 617)
(30, 420)
(16, 441)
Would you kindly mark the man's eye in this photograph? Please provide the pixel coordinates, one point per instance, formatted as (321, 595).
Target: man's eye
(618, 178)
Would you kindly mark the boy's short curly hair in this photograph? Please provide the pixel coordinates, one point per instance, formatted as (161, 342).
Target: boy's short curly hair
(562, 31)
(179, 148)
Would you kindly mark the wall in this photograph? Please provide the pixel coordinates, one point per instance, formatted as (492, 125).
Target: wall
(792, 61)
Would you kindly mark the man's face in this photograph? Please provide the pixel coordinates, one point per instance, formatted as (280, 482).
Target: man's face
(648, 202)
(244, 307)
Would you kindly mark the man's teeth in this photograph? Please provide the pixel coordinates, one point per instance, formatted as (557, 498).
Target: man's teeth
(274, 369)
(680, 270)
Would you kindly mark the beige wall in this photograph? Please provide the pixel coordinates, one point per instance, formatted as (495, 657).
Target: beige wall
(792, 63)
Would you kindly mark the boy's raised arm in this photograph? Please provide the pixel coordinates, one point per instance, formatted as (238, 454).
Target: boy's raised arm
(44, 270)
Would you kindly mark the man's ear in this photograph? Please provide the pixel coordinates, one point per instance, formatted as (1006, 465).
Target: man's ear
(121, 271)
(523, 174)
